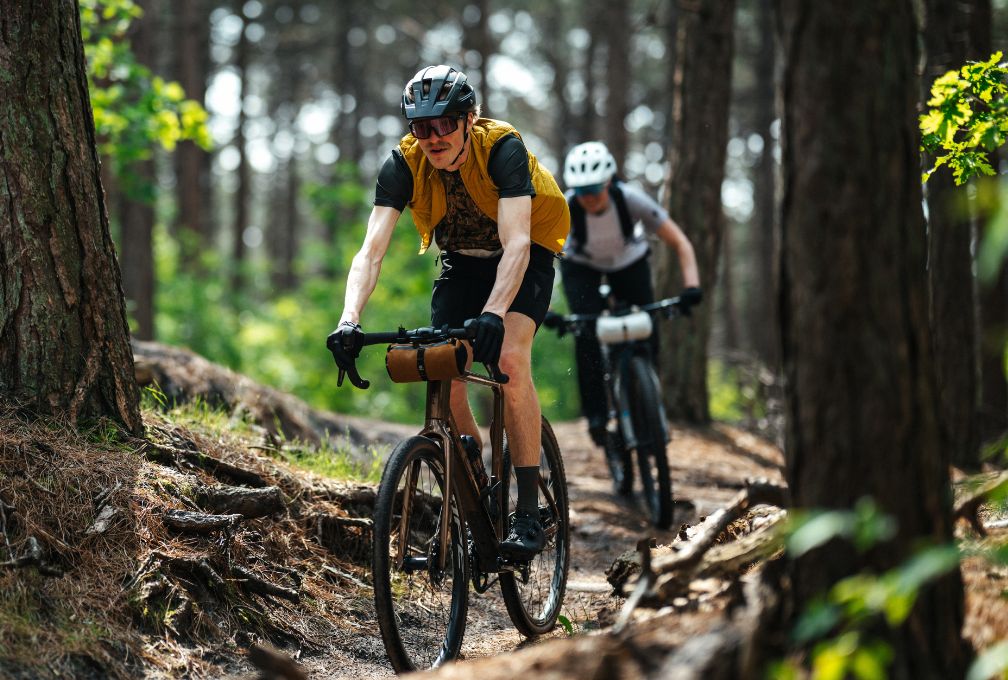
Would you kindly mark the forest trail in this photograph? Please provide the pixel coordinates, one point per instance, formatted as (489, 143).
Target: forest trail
(708, 468)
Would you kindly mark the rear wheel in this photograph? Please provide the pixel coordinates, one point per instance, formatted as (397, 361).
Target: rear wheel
(534, 597)
(651, 431)
(421, 607)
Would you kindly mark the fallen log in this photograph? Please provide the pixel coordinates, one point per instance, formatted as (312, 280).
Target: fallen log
(199, 522)
(666, 577)
(249, 503)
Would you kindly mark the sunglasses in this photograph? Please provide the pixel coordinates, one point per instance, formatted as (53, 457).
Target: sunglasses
(445, 125)
(590, 190)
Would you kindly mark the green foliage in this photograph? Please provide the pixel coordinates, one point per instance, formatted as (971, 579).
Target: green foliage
(967, 118)
(864, 526)
(991, 663)
(134, 110)
(835, 627)
(566, 623)
(335, 462)
(731, 398)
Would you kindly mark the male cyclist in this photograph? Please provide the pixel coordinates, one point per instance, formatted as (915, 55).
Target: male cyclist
(499, 219)
(606, 240)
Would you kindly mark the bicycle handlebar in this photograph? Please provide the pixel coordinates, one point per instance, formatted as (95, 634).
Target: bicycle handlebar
(425, 335)
(669, 308)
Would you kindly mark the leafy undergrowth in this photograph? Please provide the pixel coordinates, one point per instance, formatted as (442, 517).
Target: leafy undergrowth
(96, 583)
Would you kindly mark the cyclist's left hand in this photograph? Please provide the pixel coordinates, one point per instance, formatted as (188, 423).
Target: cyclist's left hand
(488, 337)
(689, 297)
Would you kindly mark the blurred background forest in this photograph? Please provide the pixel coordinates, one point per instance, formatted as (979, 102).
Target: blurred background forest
(241, 140)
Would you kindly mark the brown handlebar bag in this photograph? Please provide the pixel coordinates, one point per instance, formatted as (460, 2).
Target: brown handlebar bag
(440, 361)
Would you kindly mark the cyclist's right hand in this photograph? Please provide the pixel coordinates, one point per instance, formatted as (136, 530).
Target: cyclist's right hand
(345, 343)
(689, 297)
(555, 322)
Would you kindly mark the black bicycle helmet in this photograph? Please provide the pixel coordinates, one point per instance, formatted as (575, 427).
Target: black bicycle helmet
(437, 91)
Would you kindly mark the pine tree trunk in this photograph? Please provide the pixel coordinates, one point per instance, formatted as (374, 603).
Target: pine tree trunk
(762, 324)
(243, 173)
(862, 415)
(136, 207)
(949, 42)
(618, 78)
(64, 344)
(191, 167)
(697, 157)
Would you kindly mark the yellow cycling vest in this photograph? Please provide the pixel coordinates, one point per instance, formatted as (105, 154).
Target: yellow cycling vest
(550, 215)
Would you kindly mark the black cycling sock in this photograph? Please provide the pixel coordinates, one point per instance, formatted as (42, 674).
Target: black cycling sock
(528, 488)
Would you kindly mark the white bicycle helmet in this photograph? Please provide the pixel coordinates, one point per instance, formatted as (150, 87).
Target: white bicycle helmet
(588, 164)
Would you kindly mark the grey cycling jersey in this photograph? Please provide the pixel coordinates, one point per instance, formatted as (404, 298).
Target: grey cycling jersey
(606, 249)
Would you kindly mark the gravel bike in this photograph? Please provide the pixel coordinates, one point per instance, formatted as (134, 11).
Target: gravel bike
(636, 414)
(440, 518)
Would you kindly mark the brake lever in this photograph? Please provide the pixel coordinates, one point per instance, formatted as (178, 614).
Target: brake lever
(355, 378)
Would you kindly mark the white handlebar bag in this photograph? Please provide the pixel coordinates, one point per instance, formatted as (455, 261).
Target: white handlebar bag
(613, 329)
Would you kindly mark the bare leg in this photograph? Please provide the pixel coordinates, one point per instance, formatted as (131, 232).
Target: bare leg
(522, 414)
(462, 412)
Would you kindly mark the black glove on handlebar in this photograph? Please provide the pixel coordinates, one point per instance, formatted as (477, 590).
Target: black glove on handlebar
(488, 337)
(689, 297)
(345, 343)
(555, 322)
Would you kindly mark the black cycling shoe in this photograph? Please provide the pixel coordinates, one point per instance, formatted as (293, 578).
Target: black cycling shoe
(526, 538)
(597, 431)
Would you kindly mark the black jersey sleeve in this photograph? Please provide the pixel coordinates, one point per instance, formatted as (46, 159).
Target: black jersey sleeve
(394, 187)
(509, 167)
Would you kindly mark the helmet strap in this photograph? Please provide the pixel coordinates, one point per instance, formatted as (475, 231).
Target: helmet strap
(465, 138)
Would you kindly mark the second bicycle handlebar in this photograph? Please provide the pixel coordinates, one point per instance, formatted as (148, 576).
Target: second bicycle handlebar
(669, 308)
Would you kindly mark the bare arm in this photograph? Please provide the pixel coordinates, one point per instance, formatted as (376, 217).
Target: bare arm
(670, 233)
(514, 225)
(366, 264)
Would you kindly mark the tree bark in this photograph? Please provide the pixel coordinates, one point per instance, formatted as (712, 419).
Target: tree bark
(243, 171)
(64, 342)
(762, 304)
(950, 39)
(618, 76)
(856, 348)
(136, 208)
(191, 162)
(699, 131)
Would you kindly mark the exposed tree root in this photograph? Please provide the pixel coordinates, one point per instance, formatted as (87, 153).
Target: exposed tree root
(968, 507)
(198, 522)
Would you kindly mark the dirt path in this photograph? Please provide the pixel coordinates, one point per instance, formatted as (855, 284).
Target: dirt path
(708, 469)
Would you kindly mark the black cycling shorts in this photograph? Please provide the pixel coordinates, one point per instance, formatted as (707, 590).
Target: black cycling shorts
(465, 282)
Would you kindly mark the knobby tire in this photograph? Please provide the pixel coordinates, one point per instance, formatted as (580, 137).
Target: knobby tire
(421, 611)
(651, 430)
(534, 605)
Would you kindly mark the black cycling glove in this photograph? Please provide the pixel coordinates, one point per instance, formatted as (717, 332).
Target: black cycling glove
(345, 343)
(555, 322)
(488, 336)
(689, 297)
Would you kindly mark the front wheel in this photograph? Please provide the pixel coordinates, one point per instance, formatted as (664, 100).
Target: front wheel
(534, 598)
(648, 417)
(421, 606)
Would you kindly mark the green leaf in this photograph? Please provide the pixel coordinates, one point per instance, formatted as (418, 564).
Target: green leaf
(566, 623)
(817, 530)
(991, 663)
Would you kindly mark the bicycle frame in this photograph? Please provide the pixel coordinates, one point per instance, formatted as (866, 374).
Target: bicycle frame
(439, 425)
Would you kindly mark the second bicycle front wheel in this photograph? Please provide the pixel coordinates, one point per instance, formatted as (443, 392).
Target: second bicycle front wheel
(534, 597)
(421, 606)
(651, 430)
